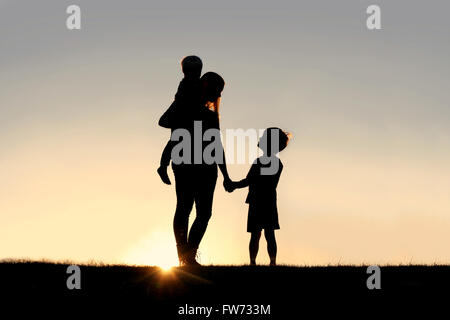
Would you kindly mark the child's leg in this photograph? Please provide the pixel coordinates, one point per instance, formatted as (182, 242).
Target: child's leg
(271, 245)
(254, 246)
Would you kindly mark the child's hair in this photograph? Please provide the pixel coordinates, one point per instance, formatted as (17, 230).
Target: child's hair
(191, 66)
(283, 139)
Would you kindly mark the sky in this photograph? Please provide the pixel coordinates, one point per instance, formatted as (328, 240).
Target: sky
(366, 177)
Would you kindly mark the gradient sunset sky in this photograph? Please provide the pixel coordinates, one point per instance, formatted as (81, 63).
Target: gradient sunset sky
(366, 177)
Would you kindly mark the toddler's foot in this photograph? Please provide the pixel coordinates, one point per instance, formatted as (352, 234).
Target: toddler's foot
(273, 263)
(253, 262)
(162, 171)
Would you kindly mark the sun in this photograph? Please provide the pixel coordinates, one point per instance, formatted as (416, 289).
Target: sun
(155, 249)
(166, 268)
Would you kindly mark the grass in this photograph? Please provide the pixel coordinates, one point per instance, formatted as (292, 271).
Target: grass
(285, 288)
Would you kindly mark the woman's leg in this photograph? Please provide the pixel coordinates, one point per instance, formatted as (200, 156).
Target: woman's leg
(254, 246)
(181, 219)
(271, 245)
(185, 201)
(204, 194)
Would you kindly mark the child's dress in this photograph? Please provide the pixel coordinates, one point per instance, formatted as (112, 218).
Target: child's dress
(262, 198)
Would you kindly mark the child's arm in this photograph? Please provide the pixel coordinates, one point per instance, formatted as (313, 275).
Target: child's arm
(240, 184)
(245, 182)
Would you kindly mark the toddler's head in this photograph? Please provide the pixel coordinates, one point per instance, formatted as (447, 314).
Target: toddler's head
(191, 66)
(273, 141)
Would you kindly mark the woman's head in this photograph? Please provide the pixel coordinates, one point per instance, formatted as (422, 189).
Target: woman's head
(212, 87)
(273, 141)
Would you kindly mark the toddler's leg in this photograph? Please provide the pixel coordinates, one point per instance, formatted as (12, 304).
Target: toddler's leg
(254, 246)
(166, 154)
(271, 246)
(164, 162)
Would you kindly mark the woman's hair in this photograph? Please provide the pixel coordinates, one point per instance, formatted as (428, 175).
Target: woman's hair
(212, 86)
(214, 106)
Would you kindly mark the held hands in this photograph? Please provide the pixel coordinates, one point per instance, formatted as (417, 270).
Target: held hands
(228, 185)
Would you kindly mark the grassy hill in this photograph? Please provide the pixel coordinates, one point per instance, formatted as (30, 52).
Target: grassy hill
(289, 291)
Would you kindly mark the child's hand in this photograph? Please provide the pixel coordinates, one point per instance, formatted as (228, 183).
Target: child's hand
(228, 185)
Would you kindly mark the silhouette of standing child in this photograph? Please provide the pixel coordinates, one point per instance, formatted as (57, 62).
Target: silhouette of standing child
(186, 98)
(262, 180)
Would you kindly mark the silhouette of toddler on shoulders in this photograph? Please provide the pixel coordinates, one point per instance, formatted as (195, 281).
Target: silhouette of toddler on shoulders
(187, 97)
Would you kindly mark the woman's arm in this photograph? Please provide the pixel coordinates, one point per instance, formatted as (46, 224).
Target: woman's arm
(223, 167)
(227, 183)
(223, 164)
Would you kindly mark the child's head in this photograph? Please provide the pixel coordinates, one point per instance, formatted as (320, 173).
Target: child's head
(273, 141)
(191, 66)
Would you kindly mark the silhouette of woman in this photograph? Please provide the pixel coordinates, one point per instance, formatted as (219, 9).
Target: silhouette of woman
(195, 183)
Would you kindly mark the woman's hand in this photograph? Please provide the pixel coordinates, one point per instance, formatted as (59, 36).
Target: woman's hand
(228, 185)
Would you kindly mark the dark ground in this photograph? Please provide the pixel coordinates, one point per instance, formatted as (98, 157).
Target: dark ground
(291, 292)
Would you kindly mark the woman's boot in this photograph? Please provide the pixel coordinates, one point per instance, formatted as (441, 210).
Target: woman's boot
(182, 252)
(191, 253)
